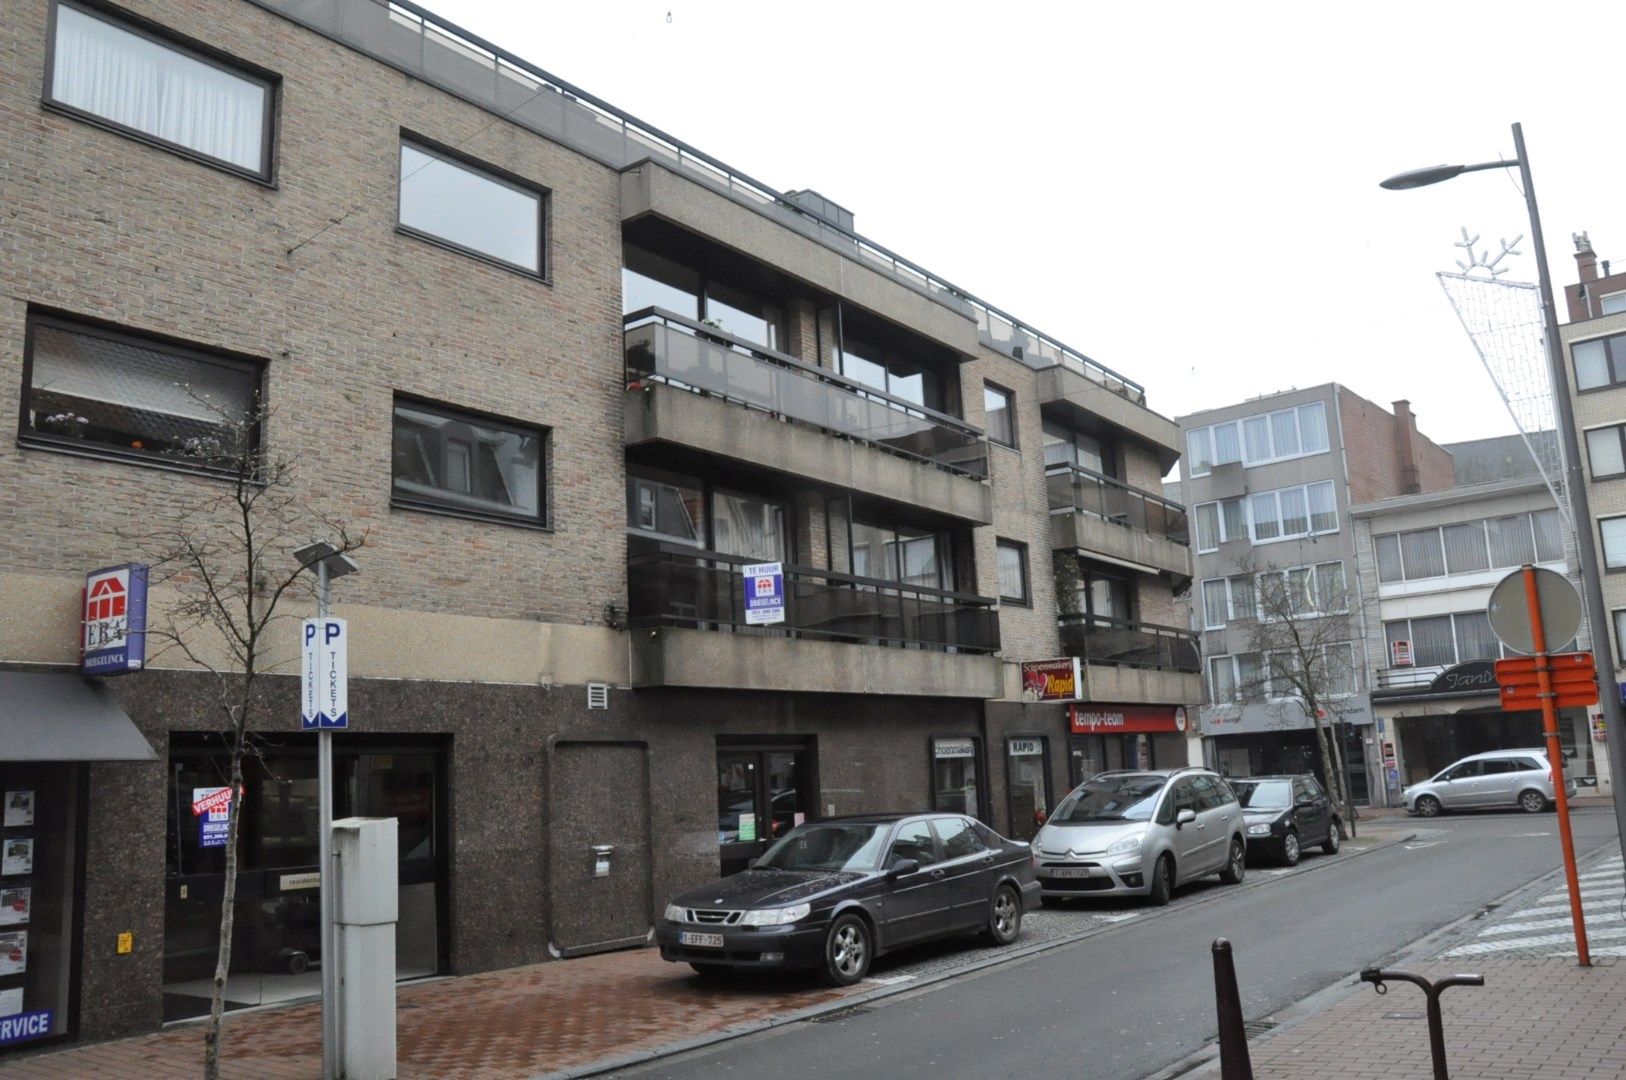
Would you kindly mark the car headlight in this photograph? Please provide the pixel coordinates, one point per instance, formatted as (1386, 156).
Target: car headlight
(780, 916)
(1127, 846)
(676, 914)
(1261, 829)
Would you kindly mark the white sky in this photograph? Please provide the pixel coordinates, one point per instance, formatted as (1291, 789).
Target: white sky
(1186, 192)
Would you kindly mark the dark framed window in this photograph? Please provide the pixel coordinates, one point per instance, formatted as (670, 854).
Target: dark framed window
(466, 463)
(999, 414)
(956, 775)
(93, 389)
(138, 80)
(1013, 573)
(1612, 531)
(1606, 451)
(469, 206)
(1600, 362)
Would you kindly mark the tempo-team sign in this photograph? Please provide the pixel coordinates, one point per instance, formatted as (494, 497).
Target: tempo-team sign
(764, 593)
(113, 637)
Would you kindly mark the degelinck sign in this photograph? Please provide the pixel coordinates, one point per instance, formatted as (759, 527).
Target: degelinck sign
(113, 621)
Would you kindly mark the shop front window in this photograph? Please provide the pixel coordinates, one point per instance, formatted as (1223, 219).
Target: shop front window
(38, 890)
(954, 777)
(1028, 779)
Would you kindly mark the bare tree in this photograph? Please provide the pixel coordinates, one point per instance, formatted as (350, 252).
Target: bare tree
(225, 554)
(1303, 643)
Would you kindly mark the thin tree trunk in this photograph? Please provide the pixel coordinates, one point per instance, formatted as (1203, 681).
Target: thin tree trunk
(1345, 796)
(228, 912)
(1332, 766)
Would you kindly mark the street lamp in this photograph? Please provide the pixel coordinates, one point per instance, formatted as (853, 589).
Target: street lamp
(1580, 508)
(328, 562)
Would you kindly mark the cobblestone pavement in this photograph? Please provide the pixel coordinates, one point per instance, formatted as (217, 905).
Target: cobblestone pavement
(1539, 1015)
(527, 1021)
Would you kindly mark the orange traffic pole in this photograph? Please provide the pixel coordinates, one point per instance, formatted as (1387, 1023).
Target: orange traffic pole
(1555, 755)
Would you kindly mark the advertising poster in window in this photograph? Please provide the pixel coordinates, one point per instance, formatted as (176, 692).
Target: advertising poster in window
(18, 856)
(212, 805)
(19, 808)
(14, 952)
(14, 905)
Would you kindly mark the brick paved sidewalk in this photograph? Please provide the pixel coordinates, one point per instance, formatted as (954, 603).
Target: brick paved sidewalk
(517, 1023)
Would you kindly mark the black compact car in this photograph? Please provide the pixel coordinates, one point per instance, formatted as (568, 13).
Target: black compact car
(832, 895)
(1286, 814)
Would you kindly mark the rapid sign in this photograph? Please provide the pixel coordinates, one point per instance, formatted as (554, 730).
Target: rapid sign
(764, 593)
(324, 691)
(113, 621)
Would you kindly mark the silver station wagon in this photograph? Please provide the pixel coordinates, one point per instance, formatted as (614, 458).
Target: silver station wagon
(1497, 779)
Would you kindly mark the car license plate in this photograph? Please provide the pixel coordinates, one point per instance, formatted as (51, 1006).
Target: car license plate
(1072, 871)
(704, 941)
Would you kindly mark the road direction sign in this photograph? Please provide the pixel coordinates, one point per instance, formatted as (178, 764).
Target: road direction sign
(1510, 612)
(324, 675)
(1574, 681)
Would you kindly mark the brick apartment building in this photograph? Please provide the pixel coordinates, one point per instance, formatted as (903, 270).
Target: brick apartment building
(570, 375)
(1269, 483)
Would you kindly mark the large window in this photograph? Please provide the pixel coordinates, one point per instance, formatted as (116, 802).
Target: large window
(1612, 531)
(650, 280)
(1600, 362)
(1227, 599)
(1443, 640)
(1236, 678)
(93, 389)
(1471, 546)
(671, 509)
(449, 460)
(1293, 512)
(999, 414)
(1013, 572)
(1064, 446)
(1221, 521)
(1606, 451)
(453, 202)
(1256, 440)
(137, 83)
(1303, 590)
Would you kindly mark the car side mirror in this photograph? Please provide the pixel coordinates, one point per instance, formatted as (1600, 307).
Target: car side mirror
(902, 868)
(1304, 800)
(1184, 817)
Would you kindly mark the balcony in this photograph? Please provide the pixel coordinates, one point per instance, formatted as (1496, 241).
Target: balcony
(1084, 398)
(841, 634)
(1134, 662)
(1094, 513)
(694, 386)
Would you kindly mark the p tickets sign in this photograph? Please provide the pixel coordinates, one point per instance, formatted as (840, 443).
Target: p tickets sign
(764, 593)
(113, 621)
(324, 674)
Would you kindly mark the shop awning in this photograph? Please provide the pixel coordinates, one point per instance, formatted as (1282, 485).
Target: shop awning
(58, 717)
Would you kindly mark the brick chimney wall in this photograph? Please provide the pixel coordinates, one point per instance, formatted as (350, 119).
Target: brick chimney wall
(1385, 453)
(1405, 453)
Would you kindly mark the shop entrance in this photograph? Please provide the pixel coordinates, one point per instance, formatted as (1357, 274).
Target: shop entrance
(1027, 783)
(1429, 744)
(276, 953)
(763, 791)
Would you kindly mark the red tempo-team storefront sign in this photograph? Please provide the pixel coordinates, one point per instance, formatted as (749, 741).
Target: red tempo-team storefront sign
(1096, 719)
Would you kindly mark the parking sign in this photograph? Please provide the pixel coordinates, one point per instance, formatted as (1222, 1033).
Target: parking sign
(324, 675)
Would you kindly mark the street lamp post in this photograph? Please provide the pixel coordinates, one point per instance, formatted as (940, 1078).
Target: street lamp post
(1580, 506)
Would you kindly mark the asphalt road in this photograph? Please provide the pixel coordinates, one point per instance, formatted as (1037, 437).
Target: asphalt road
(1140, 997)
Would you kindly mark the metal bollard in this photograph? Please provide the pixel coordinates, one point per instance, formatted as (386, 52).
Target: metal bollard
(1436, 1024)
(1233, 1037)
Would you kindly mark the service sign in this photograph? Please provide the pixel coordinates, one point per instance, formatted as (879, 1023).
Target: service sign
(23, 1026)
(764, 593)
(324, 674)
(113, 621)
(1052, 680)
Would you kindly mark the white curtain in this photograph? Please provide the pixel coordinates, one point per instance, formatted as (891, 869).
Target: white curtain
(1465, 550)
(134, 81)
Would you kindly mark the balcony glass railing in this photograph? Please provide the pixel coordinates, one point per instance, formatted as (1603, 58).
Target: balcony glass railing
(1073, 487)
(675, 585)
(664, 346)
(1096, 639)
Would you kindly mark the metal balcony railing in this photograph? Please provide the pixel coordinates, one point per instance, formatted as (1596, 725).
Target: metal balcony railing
(1073, 487)
(1096, 639)
(665, 346)
(675, 585)
(1407, 678)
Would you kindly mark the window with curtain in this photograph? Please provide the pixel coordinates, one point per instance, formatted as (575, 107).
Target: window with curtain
(1606, 451)
(1612, 531)
(1216, 603)
(1323, 508)
(1256, 439)
(1233, 519)
(1475, 639)
(470, 209)
(1242, 599)
(1422, 554)
(1200, 451)
(1295, 512)
(1284, 433)
(1313, 427)
(454, 461)
(1465, 550)
(1511, 543)
(1250, 681)
(1265, 513)
(166, 92)
(1330, 594)
(1338, 679)
(1393, 632)
(90, 388)
(1388, 550)
(1431, 641)
(1549, 527)
(1227, 443)
(1221, 680)
(1013, 572)
(1208, 536)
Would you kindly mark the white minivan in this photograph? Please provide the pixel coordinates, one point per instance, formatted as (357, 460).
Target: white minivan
(1498, 778)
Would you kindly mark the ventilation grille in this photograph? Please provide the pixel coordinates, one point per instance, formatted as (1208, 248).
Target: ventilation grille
(598, 695)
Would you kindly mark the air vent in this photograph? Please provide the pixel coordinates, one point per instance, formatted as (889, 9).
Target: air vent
(598, 695)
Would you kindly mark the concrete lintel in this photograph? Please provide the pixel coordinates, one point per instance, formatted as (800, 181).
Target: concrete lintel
(1141, 686)
(1091, 535)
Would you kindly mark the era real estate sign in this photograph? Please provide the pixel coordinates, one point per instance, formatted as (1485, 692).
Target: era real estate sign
(113, 621)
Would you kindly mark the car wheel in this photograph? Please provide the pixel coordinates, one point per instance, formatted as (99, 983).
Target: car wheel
(847, 950)
(1290, 848)
(1532, 801)
(710, 972)
(1237, 865)
(1427, 806)
(1334, 840)
(1162, 881)
(1004, 916)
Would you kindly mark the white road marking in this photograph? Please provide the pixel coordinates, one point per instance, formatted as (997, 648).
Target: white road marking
(1480, 948)
(1598, 918)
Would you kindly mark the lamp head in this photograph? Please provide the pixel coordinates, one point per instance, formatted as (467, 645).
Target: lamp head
(1417, 178)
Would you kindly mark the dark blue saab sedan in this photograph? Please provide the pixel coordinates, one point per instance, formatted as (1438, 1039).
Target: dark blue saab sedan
(832, 895)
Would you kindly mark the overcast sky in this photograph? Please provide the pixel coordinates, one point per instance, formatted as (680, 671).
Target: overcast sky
(1185, 192)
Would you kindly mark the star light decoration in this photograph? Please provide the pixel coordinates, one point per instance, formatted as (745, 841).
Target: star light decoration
(1477, 259)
